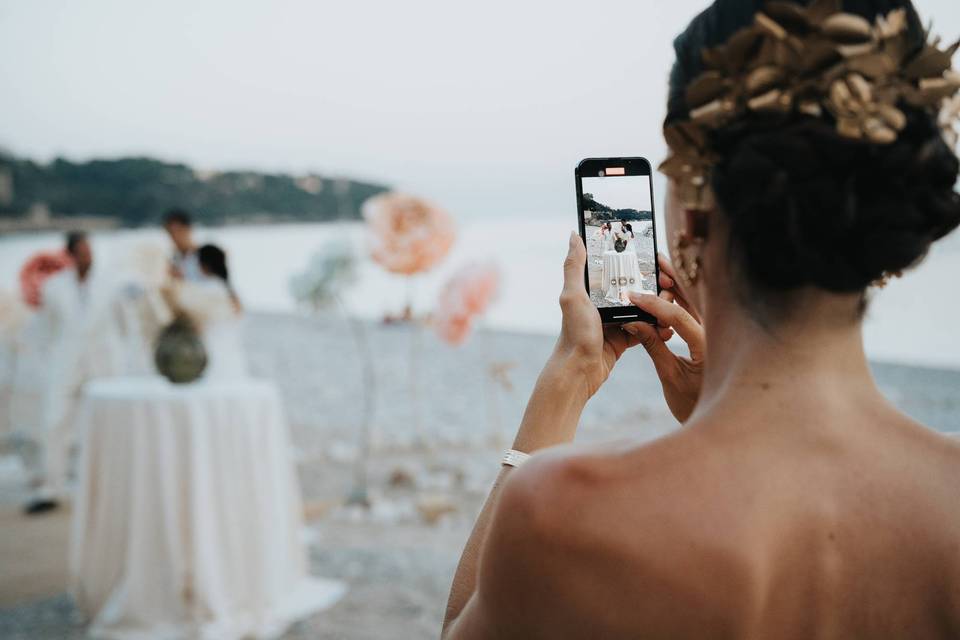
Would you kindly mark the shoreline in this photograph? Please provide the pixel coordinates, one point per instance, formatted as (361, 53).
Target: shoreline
(529, 254)
(538, 334)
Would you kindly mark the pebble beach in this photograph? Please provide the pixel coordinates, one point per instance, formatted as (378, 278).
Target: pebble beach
(440, 422)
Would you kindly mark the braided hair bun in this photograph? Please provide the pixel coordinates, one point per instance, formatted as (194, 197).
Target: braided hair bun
(807, 207)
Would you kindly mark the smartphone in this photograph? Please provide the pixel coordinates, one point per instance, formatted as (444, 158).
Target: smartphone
(619, 229)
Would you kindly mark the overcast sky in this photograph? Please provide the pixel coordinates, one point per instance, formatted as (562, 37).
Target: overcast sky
(485, 107)
(623, 192)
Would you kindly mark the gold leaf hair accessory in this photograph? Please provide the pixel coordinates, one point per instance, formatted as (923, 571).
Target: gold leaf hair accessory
(813, 61)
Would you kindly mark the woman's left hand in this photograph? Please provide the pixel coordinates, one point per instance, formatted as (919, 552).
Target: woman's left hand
(680, 376)
(586, 347)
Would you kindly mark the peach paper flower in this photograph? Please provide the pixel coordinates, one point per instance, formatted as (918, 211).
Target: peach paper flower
(467, 294)
(407, 234)
(35, 272)
(454, 329)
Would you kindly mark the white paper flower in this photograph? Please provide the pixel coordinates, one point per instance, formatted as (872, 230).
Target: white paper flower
(328, 271)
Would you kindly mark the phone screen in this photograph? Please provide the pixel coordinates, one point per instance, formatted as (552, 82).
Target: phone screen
(616, 207)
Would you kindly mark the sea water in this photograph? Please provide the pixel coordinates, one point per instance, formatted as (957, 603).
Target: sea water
(911, 321)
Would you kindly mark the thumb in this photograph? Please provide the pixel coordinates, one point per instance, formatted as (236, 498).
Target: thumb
(574, 264)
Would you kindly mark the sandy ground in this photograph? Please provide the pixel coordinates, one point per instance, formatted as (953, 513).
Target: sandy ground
(397, 564)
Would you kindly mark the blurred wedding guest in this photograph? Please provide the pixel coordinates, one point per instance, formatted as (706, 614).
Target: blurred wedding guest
(213, 265)
(213, 305)
(185, 264)
(76, 348)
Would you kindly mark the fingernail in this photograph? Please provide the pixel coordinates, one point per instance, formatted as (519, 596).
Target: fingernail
(573, 239)
(630, 329)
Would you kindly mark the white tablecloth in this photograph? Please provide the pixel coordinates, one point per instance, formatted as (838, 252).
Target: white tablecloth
(620, 274)
(188, 516)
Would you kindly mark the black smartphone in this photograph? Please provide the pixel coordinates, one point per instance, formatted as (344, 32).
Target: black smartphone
(619, 229)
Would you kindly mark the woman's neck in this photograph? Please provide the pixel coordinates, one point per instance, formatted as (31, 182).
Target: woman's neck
(814, 357)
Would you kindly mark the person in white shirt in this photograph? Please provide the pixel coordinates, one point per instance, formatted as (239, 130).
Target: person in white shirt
(185, 264)
(77, 348)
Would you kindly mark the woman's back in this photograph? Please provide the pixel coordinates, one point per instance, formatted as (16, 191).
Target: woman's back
(844, 528)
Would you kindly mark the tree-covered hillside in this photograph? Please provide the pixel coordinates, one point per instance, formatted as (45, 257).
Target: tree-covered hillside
(604, 213)
(137, 191)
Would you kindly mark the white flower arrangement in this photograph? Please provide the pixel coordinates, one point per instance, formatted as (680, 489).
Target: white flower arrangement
(328, 271)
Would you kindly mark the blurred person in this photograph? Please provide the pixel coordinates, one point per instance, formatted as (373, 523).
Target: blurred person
(185, 263)
(211, 302)
(77, 345)
(795, 501)
(223, 336)
(213, 265)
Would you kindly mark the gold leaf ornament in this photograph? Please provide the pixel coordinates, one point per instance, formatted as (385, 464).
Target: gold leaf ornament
(847, 29)
(817, 62)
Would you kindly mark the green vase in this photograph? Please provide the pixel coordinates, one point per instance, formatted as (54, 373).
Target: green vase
(180, 355)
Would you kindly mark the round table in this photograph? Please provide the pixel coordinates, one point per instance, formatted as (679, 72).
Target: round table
(620, 274)
(188, 516)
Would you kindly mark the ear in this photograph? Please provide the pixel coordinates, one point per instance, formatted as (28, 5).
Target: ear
(697, 223)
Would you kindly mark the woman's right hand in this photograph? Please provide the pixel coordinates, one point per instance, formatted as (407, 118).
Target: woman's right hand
(587, 349)
(680, 376)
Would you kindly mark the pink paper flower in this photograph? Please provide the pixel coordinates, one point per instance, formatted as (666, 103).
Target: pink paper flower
(454, 329)
(407, 234)
(35, 272)
(466, 295)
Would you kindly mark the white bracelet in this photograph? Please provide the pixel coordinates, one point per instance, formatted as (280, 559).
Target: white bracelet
(514, 458)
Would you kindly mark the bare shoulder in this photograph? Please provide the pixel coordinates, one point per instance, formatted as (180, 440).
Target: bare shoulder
(598, 542)
(937, 456)
(951, 442)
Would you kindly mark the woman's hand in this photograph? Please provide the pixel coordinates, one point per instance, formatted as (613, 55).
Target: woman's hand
(586, 347)
(681, 377)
